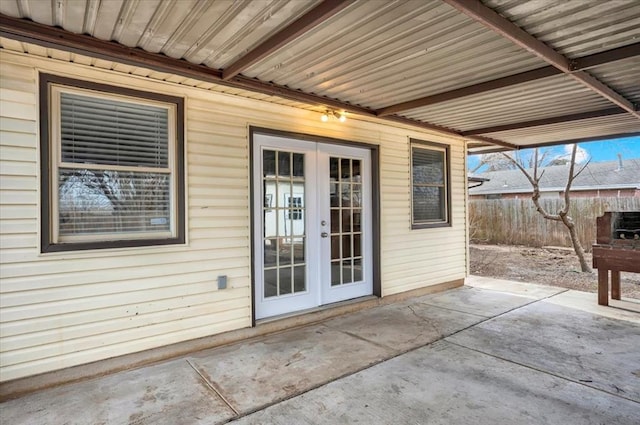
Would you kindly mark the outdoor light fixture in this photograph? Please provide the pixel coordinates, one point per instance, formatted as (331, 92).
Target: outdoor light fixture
(329, 113)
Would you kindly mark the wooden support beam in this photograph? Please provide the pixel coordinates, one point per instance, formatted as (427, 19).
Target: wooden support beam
(507, 29)
(314, 17)
(545, 121)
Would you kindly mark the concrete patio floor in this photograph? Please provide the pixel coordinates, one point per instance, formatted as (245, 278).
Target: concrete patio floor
(492, 352)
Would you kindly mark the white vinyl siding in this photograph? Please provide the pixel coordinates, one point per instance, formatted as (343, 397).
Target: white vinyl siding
(68, 308)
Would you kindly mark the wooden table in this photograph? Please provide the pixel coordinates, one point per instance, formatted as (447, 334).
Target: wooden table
(617, 259)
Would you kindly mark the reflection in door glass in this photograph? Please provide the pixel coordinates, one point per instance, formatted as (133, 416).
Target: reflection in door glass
(346, 212)
(283, 215)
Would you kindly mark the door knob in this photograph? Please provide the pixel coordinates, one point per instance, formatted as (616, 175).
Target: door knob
(323, 222)
(324, 234)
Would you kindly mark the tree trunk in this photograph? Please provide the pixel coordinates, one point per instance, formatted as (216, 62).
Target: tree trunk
(577, 246)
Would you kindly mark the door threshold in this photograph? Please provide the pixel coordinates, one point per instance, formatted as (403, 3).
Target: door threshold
(326, 311)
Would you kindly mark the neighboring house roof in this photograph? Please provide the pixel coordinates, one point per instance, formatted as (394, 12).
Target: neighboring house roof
(597, 176)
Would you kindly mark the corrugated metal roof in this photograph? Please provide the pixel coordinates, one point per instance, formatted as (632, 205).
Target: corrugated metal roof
(574, 27)
(624, 75)
(386, 52)
(376, 54)
(529, 101)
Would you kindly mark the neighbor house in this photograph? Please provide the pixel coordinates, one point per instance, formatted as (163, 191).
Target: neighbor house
(177, 175)
(614, 179)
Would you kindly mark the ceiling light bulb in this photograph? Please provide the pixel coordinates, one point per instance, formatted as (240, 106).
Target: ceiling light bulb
(324, 117)
(343, 117)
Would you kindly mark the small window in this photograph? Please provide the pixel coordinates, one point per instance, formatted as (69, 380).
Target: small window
(294, 205)
(112, 166)
(429, 185)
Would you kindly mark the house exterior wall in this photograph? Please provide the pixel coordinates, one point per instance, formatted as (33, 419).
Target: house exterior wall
(64, 309)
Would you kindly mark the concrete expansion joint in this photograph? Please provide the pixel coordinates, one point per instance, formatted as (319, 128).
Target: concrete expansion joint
(583, 383)
(213, 388)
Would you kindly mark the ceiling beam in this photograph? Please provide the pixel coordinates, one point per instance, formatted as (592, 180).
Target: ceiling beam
(309, 20)
(56, 38)
(607, 56)
(584, 62)
(498, 83)
(489, 18)
(545, 121)
(507, 29)
(608, 136)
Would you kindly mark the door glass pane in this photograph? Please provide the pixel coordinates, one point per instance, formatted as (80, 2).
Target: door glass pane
(284, 164)
(298, 165)
(346, 215)
(357, 245)
(346, 246)
(335, 247)
(357, 270)
(356, 195)
(298, 251)
(345, 169)
(270, 252)
(284, 252)
(335, 273)
(283, 215)
(299, 279)
(334, 169)
(270, 283)
(346, 272)
(284, 281)
(356, 217)
(356, 176)
(268, 163)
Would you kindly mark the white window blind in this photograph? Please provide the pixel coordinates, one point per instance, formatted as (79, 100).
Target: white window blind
(114, 178)
(106, 131)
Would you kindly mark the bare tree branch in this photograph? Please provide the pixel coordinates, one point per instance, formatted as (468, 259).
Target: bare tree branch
(563, 214)
(535, 183)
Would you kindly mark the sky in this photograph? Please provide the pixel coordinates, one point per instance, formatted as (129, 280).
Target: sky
(606, 150)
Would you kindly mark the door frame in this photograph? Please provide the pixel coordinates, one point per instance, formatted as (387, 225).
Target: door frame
(375, 201)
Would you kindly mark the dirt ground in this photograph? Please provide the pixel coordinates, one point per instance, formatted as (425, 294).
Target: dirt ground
(548, 266)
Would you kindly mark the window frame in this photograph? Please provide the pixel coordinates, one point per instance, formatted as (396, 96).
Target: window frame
(446, 150)
(50, 87)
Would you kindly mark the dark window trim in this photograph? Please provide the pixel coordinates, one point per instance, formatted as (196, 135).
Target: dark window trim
(447, 175)
(46, 244)
(375, 201)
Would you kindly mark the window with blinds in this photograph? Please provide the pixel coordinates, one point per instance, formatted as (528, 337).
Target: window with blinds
(429, 185)
(115, 164)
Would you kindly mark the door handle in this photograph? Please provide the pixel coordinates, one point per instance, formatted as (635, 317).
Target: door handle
(324, 234)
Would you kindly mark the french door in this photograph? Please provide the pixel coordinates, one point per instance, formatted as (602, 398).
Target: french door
(313, 224)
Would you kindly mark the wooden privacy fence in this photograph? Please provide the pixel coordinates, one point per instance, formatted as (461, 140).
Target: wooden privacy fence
(516, 221)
